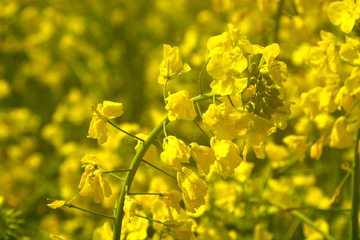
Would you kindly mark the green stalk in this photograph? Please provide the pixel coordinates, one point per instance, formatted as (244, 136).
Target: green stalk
(201, 73)
(150, 219)
(303, 218)
(355, 192)
(164, 90)
(146, 193)
(70, 205)
(119, 212)
(201, 129)
(277, 20)
(120, 170)
(115, 176)
(125, 132)
(159, 169)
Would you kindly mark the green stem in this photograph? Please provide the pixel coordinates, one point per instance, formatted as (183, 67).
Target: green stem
(150, 219)
(160, 194)
(198, 107)
(70, 205)
(277, 20)
(201, 129)
(164, 90)
(119, 214)
(201, 73)
(303, 218)
(126, 132)
(159, 169)
(121, 170)
(115, 176)
(232, 104)
(164, 130)
(355, 192)
(203, 97)
(346, 177)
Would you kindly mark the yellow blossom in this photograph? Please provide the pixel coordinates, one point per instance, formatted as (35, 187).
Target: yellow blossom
(151, 154)
(232, 61)
(241, 41)
(227, 156)
(340, 137)
(203, 157)
(352, 84)
(325, 57)
(104, 232)
(243, 172)
(279, 118)
(344, 13)
(57, 204)
(297, 144)
(182, 229)
(175, 152)
(137, 229)
(220, 43)
(226, 122)
(96, 186)
(180, 106)
(101, 114)
(172, 65)
(258, 130)
(315, 197)
(343, 99)
(277, 69)
(193, 188)
(228, 84)
(130, 207)
(311, 234)
(89, 162)
(324, 122)
(317, 100)
(317, 148)
(350, 51)
(172, 199)
(278, 155)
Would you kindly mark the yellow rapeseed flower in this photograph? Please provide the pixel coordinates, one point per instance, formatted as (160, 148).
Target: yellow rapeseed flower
(277, 69)
(181, 228)
(179, 106)
(57, 204)
(227, 156)
(317, 148)
(340, 137)
(203, 157)
(101, 114)
(193, 188)
(96, 186)
(172, 65)
(297, 144)
(225, 121)
(175, 152)
(172, 199)
(130, 207)
(344, 13)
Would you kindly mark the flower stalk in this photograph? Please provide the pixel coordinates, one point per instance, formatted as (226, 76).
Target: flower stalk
(355, 191)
